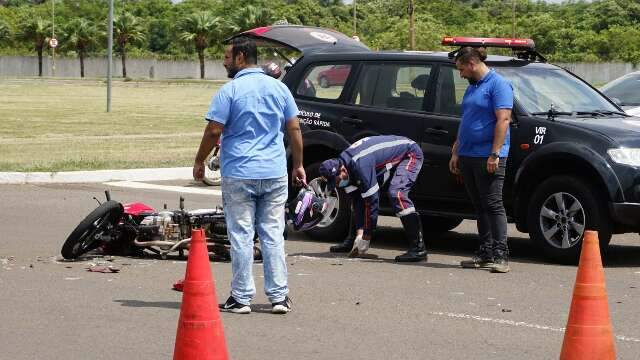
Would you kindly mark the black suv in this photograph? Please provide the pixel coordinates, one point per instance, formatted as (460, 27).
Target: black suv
(574, 162)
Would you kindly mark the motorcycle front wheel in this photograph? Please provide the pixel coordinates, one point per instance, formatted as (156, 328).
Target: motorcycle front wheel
(211, 177)
(85, 237)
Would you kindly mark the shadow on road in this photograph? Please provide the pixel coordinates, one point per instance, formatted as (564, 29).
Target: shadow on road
(622, 256)
(153, 304)
(464, 244)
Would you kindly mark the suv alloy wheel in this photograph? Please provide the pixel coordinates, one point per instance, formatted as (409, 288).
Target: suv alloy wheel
(336, 225)
(560, 210)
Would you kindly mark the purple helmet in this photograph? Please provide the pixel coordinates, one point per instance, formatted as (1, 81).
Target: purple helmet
(306, 210)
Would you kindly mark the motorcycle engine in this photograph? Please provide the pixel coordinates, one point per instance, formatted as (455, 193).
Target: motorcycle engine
(158, 227)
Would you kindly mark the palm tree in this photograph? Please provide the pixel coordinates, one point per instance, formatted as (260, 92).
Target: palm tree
(127, 29)
(250, 17)
(201, 29)
(81, 34)
(36, 31)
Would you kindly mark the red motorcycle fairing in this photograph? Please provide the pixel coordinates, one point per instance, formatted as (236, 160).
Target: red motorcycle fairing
(137, 208)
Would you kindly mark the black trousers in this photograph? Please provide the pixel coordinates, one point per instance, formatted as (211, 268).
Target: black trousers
(485, 191)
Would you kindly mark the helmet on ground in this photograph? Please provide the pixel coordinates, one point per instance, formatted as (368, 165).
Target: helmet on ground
(272, 69)
(306, 210)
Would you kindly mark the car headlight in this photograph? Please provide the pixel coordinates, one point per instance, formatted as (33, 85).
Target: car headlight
(625, 156)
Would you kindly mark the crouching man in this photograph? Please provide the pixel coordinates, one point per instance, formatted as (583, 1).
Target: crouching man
(362, 170)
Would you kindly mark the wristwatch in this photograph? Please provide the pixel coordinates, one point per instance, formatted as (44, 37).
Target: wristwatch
(494, 155)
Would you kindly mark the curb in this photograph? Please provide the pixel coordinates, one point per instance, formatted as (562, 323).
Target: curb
(182, 173)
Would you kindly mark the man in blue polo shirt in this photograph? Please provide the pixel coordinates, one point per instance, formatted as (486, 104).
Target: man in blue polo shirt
(252, 112)
(480, 153)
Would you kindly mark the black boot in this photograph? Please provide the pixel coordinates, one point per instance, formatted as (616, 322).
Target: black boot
(347, 243)
(413, 228)
(343, 247)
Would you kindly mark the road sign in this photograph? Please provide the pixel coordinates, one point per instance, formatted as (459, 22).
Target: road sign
(53, 42)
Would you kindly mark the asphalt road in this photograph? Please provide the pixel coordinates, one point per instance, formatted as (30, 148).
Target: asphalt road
(343, 308)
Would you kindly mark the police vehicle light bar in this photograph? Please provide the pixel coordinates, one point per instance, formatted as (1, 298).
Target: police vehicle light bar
(516, 44)
(524, 49)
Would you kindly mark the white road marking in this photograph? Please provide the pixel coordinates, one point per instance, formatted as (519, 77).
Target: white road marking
(178, 189)
(517, 323)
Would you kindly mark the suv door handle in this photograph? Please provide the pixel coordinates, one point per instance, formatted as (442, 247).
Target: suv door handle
(433, 131)
(351, 120)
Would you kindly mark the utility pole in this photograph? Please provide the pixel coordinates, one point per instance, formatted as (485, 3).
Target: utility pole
(53, 36)
(109, 55)
(412, 34)
(513, 24)
(355, 28)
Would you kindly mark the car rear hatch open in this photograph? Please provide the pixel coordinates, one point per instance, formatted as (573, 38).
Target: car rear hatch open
(303, 39)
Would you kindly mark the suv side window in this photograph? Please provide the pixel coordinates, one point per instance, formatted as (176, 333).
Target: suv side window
(392, 86)
(449, 91)
(324, 81)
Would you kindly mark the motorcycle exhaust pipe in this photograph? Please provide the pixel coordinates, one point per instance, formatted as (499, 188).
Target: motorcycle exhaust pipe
(159, 242)
(174, 245)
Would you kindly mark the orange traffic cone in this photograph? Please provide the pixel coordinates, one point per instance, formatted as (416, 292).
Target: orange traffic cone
(589, 334)
(200, 334)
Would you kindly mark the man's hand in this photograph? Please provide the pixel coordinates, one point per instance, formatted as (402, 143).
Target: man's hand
(453, 165)
(198, 171)
(492, 164)
(299, 176)
(210, 137)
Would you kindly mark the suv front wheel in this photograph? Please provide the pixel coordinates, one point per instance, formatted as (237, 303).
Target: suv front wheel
(335, 226)
(561, 209)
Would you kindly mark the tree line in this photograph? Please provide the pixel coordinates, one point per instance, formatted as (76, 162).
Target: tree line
(601, 30)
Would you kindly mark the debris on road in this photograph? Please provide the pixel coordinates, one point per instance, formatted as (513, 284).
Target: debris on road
(103, 269)
(179, 285)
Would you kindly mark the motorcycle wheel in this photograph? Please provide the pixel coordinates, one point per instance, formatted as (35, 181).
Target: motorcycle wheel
(211, 178)
(83, 238)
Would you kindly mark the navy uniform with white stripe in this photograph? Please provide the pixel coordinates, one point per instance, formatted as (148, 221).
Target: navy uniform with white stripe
(362, 170)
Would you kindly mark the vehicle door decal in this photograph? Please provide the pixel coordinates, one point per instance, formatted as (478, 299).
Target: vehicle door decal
(312, 118)
(541, 131)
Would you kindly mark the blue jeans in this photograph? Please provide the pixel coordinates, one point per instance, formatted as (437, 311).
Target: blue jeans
(252, 206)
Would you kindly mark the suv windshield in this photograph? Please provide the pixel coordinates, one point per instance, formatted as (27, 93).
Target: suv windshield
(536, 89)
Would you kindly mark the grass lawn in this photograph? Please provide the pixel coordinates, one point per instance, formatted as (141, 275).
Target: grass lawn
(62, 125)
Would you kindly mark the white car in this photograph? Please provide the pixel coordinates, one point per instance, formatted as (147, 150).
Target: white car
(625, 91)
(634, 111)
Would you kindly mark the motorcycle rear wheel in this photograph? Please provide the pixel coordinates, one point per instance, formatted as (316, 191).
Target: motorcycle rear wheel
(84, 237)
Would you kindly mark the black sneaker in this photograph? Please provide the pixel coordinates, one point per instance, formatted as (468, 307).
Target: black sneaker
(476, 262)
(231, 305)
(281, 307)
(500, 266)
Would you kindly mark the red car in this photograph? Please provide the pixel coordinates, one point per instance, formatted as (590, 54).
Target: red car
(335, 75)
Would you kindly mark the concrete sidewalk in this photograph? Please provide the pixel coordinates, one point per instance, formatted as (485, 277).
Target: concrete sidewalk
(182, 173)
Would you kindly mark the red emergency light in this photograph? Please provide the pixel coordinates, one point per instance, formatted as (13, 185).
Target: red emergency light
(515, 44)
(524, 49)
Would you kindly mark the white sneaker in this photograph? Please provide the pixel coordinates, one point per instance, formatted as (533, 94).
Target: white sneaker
(360, 247)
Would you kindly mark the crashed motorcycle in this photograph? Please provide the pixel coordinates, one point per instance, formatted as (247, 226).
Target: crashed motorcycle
(133, 228)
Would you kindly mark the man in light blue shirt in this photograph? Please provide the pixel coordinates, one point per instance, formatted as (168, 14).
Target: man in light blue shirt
(250, 114)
